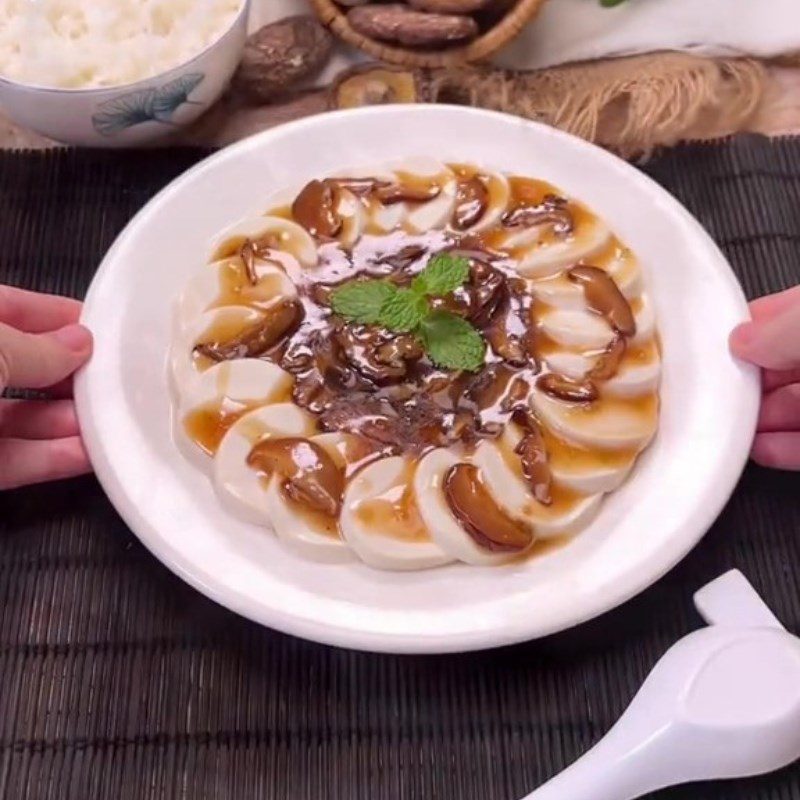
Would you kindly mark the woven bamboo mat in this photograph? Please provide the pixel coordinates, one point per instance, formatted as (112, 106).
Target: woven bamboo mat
(118, 681)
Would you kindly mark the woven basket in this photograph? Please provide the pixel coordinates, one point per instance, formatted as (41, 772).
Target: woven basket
(334, 17)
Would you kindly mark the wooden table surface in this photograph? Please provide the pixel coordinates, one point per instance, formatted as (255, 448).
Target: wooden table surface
(778, 115)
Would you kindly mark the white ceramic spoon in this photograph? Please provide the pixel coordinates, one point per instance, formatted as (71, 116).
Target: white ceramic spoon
(724, 702)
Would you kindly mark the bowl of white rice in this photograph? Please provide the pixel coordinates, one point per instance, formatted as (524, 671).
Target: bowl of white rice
(116, 73)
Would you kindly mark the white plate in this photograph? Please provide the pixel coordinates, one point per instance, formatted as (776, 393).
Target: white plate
(675, 492)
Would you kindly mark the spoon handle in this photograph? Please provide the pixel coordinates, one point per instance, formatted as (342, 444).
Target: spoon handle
(609, 771)
(581, 782)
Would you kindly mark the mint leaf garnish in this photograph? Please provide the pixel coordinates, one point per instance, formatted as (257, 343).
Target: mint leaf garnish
(451, 342)
(362, 301)
(402, 311)
(443, 274)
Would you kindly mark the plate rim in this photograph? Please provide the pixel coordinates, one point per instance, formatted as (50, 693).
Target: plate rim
(282, 619)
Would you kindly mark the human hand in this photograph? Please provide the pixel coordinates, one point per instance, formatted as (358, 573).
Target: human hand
(41, 345)
(772, 341)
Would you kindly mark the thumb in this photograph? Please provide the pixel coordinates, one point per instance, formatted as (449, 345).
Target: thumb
(772, 343)
(36, 361)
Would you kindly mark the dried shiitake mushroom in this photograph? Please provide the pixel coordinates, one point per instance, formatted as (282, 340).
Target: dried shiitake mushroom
(552, 210)
(398, 23)
(427, 33)
(535, 466)
(279, 321)
(310, 475)
(472, 198)
(480, 515)
(607, 364)
(315, 209)
(279, 55)
(376, 84)
(564, 388)
(604, 297)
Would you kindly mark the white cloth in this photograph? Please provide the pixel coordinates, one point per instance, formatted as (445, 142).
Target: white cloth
(576, 30)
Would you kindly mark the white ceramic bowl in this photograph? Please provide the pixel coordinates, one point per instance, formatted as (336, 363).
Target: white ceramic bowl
(673, 495)
(130, 115)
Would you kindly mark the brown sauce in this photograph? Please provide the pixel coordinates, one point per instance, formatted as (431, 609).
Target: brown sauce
(493, 238)
(464, 171)
(283, 212)
(224, 329)
(529, 191)
(372, 227)
(394, 513)
(564, 500)
(227, 327)
(255, 431)
(564, 456)
(359, 453)
(277, 243)
(605, 257)
(546, 346)
(229, 248)
(541, 547)
(643, 409)
(614, 251)
(235, 289)
(207, 425)
(420, 183)
(573, 458)
(351, 453)
(320, 523)
(638, 355)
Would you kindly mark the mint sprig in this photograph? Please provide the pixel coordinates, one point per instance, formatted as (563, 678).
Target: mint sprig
(442, 275)
(361, 301)
(449, 340)
(403, 311)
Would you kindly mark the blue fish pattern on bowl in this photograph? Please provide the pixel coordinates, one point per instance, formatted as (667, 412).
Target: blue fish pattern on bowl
(154, 104)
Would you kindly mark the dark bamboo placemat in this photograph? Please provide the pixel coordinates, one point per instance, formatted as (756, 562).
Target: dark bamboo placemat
(118, 681)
